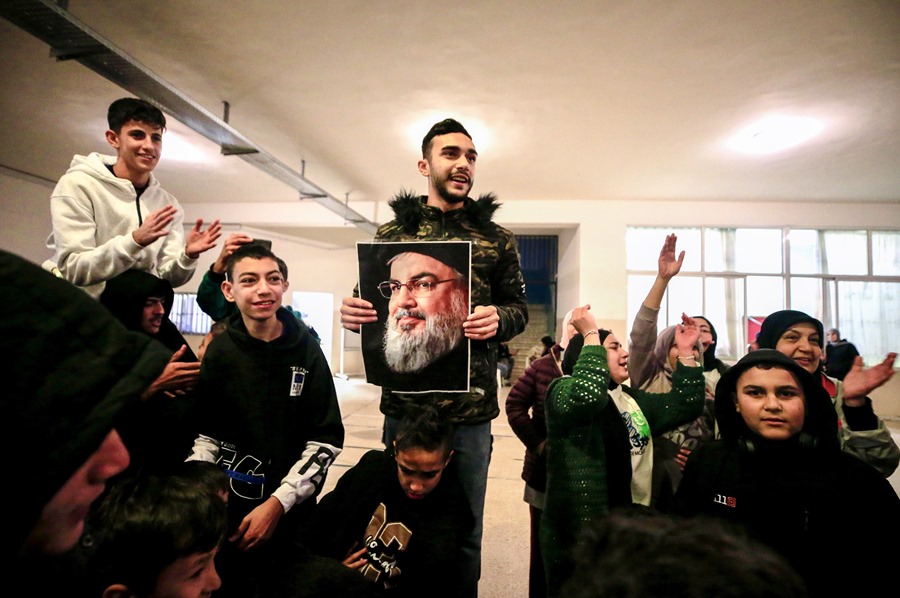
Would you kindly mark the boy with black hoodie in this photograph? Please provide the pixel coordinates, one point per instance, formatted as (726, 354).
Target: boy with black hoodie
(161, 430)
(778, 471)
(268, 414)
(399, 516)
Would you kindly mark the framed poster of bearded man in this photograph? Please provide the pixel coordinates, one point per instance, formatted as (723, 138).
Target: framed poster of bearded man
(421, 293)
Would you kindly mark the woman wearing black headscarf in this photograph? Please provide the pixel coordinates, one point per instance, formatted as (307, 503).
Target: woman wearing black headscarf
(599, 434)
(862, 433)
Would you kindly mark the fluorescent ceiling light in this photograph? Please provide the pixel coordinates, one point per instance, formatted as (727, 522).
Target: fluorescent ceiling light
(177, 148)
(772, 134)
(481, 133)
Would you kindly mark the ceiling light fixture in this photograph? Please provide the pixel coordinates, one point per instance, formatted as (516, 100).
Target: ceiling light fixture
(775, 133)
(178, 148)
(481, 134)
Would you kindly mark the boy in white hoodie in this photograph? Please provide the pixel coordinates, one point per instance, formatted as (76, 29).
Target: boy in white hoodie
(110, 214)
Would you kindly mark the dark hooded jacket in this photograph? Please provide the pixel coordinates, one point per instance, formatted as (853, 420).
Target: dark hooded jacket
(818, 506)
(125, 295)
(68, 370)
(496, 280)
(268, 403)
(159, 431)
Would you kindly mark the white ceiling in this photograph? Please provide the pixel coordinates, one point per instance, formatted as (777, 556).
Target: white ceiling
(587, 100)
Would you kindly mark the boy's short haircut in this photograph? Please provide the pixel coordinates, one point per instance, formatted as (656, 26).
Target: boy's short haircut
(148, 521)
(698, 556)
(423, 427)
(445, 127)
(124, 110)
(256, 252)
(282, 266)
(204, 474)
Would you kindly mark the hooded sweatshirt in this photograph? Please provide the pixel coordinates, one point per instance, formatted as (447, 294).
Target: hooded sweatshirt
(269, 415)
(159, 431)
(94, 213)
(125, 296)
(819, 507)
(68, 370)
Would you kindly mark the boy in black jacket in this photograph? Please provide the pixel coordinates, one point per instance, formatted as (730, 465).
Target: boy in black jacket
(778, 471)
(269, 415)
(160, 430)
(399, 516)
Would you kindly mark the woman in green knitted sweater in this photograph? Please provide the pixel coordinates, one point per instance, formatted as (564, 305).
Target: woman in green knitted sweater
(599, 451)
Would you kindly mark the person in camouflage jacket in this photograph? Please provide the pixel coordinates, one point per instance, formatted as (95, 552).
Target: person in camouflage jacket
(497, 295)
(496, 280)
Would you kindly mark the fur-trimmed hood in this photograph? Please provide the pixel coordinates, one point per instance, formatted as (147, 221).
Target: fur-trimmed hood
(409, 208)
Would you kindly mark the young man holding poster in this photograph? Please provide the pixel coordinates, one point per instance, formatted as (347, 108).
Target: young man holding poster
(497, 295)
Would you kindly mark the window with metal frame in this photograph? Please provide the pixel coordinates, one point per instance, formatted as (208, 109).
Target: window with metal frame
(848, 279)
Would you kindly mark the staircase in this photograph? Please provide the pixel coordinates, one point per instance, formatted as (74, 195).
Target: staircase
(540, 323)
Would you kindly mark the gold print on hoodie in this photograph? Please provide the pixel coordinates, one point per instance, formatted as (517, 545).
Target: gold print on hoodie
(384, 540)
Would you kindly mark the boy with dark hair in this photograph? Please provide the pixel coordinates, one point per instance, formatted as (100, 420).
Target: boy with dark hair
(779, 472)
(268, 414)
(400, 515)
(158, 534)
(209, 293)
(160, 430)
(638, 552)
(110, 214)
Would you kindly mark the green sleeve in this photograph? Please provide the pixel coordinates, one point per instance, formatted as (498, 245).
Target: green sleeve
(684, 403)
(211, 299)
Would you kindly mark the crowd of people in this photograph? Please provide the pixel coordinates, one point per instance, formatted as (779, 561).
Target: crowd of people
(653, 469)
(771, 445)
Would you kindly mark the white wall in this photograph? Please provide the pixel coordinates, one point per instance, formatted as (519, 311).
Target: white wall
(25, 213)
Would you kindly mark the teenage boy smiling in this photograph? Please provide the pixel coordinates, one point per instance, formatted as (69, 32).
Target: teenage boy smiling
(268, 414)
(110, 214)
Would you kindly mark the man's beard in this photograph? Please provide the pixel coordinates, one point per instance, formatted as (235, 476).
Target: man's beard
(406, 353)
(441, 183)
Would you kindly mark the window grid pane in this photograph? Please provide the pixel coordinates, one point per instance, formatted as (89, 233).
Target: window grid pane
(756, 283)
(886, 253)
(187, 315)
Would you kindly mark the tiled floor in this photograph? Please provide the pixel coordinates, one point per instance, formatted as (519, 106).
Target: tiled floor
(505, 541)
